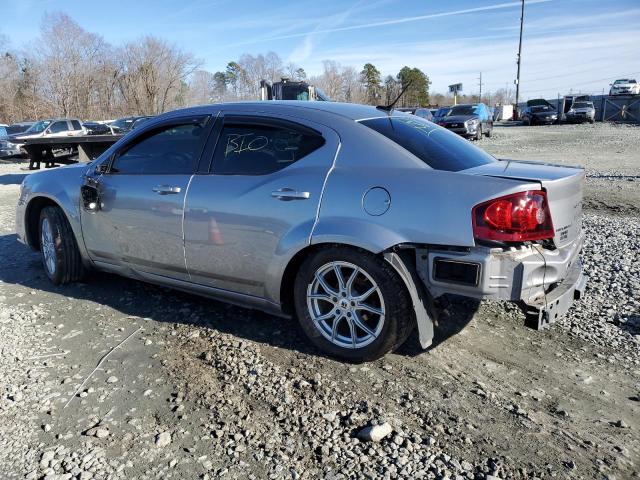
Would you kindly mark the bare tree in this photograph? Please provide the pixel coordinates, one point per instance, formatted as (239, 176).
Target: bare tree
(152, 75)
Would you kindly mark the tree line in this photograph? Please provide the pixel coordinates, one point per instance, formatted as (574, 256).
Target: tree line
(70, 72)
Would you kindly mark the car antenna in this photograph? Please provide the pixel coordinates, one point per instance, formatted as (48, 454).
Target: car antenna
(388, 108)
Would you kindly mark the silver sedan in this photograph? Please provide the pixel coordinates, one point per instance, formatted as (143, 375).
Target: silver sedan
(357, 220)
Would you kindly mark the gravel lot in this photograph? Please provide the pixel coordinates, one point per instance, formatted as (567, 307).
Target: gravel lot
(200, 389)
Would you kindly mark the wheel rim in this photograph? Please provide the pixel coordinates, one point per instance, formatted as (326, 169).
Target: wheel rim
(346, 305)
(48, 247)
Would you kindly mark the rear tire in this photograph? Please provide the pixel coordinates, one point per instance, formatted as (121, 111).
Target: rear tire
(489, 132)
(340, 323)
(479, 133)
(58, 248)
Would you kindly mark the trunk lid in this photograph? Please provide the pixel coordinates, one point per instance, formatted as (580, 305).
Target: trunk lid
(564, 186)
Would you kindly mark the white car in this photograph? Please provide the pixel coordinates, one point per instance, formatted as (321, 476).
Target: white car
(625, 86)
(61, 127)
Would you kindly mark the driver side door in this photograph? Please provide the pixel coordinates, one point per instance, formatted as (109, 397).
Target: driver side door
(138, 223)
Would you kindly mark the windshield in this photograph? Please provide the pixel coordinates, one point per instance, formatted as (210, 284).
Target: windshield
(38, 127)
(541, 108)
(435, 146)
(624, 80)
(462, 110)
(583, 105)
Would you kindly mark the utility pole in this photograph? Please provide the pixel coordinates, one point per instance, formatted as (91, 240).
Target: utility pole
(480, 81)
(519, 58)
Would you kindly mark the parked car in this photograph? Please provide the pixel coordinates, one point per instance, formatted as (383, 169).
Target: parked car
(7, 149)
(581, 112)
(424, 113)
(625, 86)
(440, 114)
(18, 127)
(139, 121)
(59, 127)
(126, 124)
(470, 120)
(539, 115)
(97, 128)
(353, 218)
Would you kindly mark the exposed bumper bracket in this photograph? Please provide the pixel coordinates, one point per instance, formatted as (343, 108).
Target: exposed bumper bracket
(556, 303)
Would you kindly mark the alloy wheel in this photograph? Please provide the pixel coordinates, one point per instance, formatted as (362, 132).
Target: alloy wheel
(346, 305)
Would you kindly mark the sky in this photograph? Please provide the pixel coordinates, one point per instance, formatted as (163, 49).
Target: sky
(569, 46)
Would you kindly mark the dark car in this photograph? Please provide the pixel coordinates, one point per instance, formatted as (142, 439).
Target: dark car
(469, 120)
(539, 112)
(96, 128)
(126, 124)
(19, 127)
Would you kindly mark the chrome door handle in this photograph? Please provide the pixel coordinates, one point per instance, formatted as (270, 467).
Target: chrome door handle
(166, 189)
(289, 194)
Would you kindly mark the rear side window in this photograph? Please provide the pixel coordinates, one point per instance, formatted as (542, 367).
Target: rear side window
(76, 125)
(435, 146)
(261, 149)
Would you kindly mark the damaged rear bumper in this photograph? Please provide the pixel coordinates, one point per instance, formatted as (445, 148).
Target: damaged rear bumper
(544, 282)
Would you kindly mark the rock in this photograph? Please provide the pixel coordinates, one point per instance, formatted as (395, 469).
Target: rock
(99, 432)
(112, 379)
(163, 439)
(375, 433)
(619, 424)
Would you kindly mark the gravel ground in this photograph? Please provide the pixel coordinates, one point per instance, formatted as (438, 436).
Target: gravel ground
(190, 388)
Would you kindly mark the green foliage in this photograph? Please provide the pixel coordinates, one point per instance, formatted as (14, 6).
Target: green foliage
(417, 95)
(370, 78)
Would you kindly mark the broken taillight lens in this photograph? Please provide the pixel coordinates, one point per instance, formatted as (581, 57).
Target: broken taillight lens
(514, 218)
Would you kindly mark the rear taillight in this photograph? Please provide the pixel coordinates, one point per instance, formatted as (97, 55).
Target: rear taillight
(513, 218)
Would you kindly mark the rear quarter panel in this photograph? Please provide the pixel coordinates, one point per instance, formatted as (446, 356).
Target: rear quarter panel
(427, 206)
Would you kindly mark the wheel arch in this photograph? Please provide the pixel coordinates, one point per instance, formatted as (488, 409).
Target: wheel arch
(32, 219)
(291, 270)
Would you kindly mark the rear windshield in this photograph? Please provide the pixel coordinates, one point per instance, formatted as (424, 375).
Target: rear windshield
(435, 146)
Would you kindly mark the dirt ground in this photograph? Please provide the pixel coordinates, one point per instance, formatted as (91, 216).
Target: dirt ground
(202, 389)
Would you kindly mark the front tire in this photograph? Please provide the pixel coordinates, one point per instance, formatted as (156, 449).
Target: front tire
(58, 248)
(479, 133)
(352, 305)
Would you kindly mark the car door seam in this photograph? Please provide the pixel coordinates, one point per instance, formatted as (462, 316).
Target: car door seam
(184, 245)
(324, 185)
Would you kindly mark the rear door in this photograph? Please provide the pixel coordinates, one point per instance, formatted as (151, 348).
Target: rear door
(257, 198)
(59, 128)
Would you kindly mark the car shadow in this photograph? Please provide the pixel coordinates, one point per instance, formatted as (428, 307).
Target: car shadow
(12, 178)
(22, 266)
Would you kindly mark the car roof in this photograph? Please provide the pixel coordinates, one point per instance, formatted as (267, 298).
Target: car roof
(351, 111)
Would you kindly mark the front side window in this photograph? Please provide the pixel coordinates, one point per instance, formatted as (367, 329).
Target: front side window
(435, 146)
(171, 149)
(76, 125)
(261, 149)
(58, 127)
